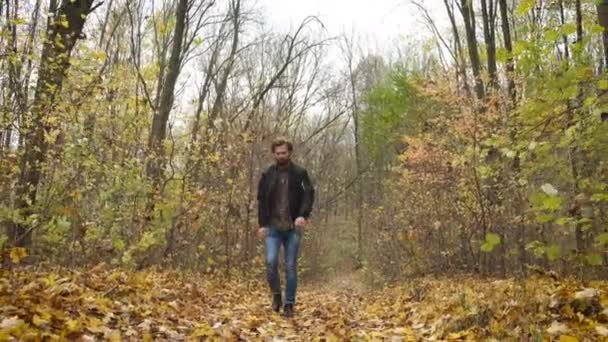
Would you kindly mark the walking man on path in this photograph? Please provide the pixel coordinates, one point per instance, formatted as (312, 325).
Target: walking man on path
(285, 200)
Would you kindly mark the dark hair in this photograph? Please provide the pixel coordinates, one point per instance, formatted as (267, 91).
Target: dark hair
(280, 142)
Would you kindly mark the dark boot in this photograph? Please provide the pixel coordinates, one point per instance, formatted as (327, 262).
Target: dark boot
(288, 310)
(276, 302)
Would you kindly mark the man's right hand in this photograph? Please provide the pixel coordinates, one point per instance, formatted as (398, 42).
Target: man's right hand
(262, 232)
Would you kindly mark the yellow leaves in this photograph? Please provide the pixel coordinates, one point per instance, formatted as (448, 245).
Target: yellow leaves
(113, 336)
(214, 157)
(11, 326)
(106, 304)
(72, 325)
(17, 254)
(11, 323)
(460, 335)
(203, 330)
(64, 22)
(162, 28)
(601, 330)
(95, 326)
(100, 55)
(40, 321)
(332, 338)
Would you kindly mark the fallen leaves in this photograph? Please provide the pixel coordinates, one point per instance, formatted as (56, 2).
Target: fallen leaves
(115, 305)
(17, 254)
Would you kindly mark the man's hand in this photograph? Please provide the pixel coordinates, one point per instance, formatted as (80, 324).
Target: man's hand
(262, 232)
(301, 222)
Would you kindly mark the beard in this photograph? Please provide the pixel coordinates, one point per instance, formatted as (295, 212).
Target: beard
(282, 161)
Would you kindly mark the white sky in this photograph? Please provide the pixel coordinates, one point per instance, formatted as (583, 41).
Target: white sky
(379, 26)
(378, 22)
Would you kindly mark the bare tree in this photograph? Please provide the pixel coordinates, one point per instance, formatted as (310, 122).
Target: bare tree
(220, 92)
(354, 108)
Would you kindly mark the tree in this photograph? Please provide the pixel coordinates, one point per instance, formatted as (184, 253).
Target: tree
(506, 34)
(468, 15)
(488, 13)
(158, 131)
(64, 27)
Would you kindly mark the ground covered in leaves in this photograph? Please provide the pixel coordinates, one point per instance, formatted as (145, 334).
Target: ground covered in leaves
(107, 304)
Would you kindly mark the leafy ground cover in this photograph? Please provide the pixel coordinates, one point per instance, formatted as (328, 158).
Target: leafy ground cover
(102, 303)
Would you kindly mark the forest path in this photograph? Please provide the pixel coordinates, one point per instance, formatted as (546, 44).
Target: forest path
(102, 303)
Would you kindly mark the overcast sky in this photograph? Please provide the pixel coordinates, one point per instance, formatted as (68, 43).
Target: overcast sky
(380, 21)
(381, 26)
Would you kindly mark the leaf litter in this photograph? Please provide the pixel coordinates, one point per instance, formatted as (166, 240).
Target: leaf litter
(116, 305)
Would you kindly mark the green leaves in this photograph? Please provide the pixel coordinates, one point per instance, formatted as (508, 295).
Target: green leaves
(602, 239)
(594, 259)
(492, 240)
(553, 252)
(548, 200)
(539, 249)
(524, 7)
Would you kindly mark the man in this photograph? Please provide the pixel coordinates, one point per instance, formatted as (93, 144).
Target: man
(285, 199)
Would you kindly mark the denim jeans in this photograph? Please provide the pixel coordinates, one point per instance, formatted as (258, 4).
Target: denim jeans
(290, 239)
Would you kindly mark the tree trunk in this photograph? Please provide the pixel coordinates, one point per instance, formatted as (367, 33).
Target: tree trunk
(468, 15)
(221, 88)
(563, 22)
(489, 33)
(161, 115)
(574, 151)
(506, 34)
(462, 63)
(63, 28)
(605, 42)
(579, 21)
(358, 164)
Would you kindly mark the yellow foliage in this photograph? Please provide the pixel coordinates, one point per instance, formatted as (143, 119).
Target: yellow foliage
(109, 304)
(17, 254)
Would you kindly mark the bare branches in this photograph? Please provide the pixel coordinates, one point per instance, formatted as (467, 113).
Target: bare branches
(135, 49)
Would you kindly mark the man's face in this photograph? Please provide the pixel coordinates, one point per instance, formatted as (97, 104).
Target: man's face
(281, 154)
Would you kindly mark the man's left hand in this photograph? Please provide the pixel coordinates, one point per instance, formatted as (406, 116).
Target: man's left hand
(301, 222)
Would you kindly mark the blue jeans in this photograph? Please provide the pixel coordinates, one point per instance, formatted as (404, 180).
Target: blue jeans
(290, 239)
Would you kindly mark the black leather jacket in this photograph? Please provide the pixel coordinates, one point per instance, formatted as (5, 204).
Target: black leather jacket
(301, 193)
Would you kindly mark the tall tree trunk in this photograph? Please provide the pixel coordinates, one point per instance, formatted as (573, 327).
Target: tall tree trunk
(562, 18)
(223, 83)
(64, 28)
(10, 87)
(462, 63)
(506, 35)
(488, 14)
(468, 15)
(574, 148)
(161, 115)
(358, 165)
(579, 21)
(605, 42)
